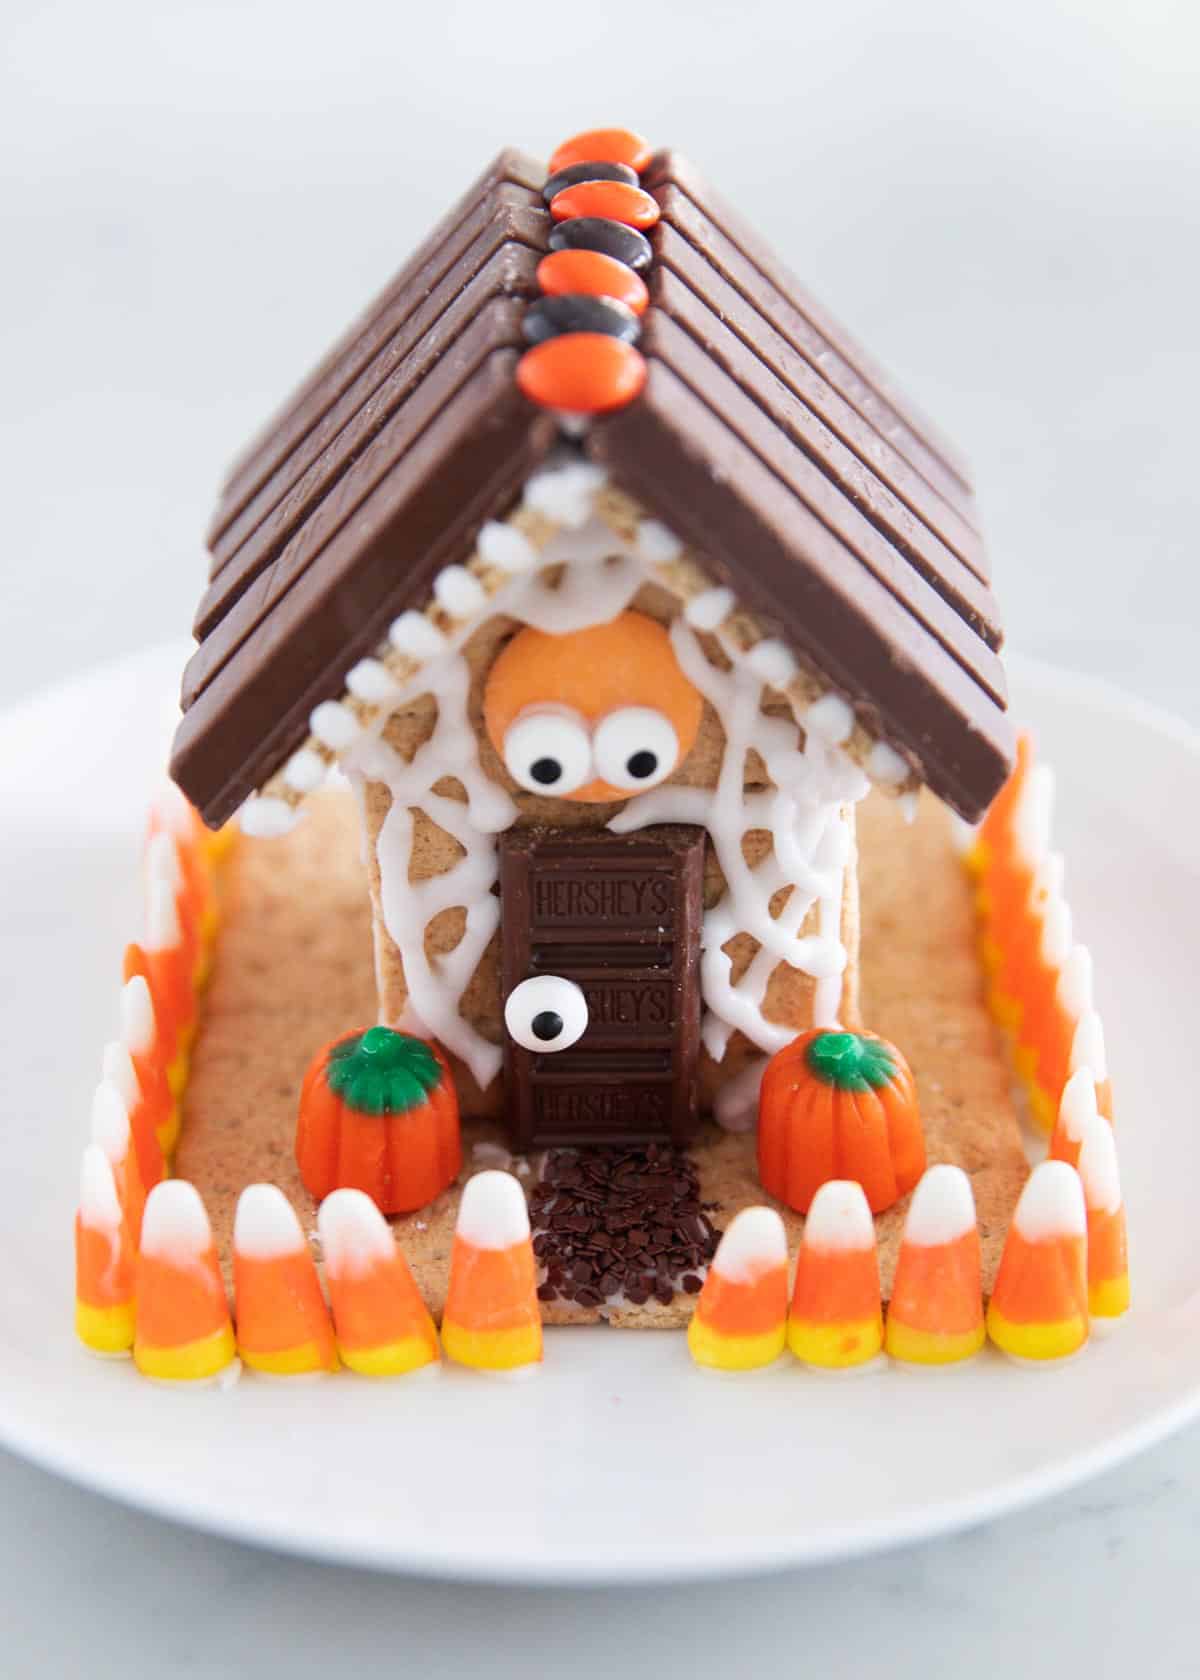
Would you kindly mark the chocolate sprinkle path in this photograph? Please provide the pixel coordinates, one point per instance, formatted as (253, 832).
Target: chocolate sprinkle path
(620, 1221)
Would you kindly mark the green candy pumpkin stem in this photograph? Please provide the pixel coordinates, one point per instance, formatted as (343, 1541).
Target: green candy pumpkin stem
(851, 1062)
(382, 1072)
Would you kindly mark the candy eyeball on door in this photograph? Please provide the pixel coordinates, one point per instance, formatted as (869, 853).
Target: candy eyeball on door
(548, 750)
(635, 748)
(546, 1013)
(620, 682)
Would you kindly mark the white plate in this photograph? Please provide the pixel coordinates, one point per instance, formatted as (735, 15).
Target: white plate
(618, 1460)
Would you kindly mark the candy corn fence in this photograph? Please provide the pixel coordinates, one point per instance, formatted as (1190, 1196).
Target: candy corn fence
(148, 1281)
(1039, 977)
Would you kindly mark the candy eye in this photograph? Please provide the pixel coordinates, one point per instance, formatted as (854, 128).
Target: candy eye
(547, 750)
(635, 748)
(546, 1013)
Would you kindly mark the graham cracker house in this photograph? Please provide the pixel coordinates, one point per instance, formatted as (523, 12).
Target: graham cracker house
(607, 681)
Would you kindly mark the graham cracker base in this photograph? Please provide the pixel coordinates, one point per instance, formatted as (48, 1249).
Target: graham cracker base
(294, 969)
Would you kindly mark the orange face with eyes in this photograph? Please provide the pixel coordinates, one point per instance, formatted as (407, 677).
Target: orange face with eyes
(594, 715)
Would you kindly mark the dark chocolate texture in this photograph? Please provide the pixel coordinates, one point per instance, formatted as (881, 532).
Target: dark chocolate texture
(619, 915)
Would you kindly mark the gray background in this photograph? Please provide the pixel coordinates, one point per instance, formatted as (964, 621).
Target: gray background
(1001, 200)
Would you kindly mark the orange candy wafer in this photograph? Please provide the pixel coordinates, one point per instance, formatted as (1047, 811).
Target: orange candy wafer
(492, 1320)
(836, 1320)
(1039, 1306)
(1108, 1261)
(104, 1260)
(740, 1321)
(935, 1315)
(184, 1333)
(282, 1321)
(383, 1326)
(111, 1130)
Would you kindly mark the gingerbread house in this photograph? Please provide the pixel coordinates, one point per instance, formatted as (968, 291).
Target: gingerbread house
(609, 641)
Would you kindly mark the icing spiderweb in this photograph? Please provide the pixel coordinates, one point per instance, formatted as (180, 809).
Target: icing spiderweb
(587, 576)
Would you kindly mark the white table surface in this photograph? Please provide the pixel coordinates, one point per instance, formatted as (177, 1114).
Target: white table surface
(1001, 200)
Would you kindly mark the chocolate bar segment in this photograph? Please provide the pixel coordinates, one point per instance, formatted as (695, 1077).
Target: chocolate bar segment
(377, 398)
(670, 167)
(512, 181)
(620, 916)
(467, 465)
(864, 464)
(763, 428)
(674, 452)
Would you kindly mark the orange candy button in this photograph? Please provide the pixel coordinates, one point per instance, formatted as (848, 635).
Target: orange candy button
(594, 274)
(581, 373)
(602, 145)
(617, 201)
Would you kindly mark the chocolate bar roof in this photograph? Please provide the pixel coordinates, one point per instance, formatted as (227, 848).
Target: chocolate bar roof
(764, 436)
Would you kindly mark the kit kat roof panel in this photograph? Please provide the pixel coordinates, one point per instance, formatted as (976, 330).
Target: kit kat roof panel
(763, 435)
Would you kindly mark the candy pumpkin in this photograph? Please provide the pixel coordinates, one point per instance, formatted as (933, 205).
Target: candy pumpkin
(379, 1113)
(839, 1105)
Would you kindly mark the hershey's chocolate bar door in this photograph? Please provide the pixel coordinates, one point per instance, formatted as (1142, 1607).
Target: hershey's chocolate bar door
(601, 981)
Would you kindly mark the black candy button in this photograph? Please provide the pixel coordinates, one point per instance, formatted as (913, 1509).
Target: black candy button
(573, 312)
(576, 172)
(598, 233)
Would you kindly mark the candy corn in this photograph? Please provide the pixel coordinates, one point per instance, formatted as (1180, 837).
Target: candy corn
(1075, 1111)
(935, 1315)
(1039, 1306)
(183, 1328)
(835, 1319)
(110, 1129)
(170, 957)
(150, 1051)
(491, 1319)
(104, 1260)
(740, 1321)
(199, 850)
(164, 863)
(1088, 1051)
(994, 834)
(383, 1326)
(1107, 1263)
(282, 1321)
(119, 1070)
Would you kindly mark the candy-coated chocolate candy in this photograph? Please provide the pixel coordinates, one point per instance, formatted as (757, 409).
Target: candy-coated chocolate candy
(599, 233)
(582, 373)
(568, 273)
(591, 171)
(551, 316)
(613, 145)
(614, 199)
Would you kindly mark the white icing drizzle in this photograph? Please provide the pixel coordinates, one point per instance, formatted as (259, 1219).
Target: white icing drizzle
(334, 725)
(265, 818)
(596, 576)
(305, 770)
